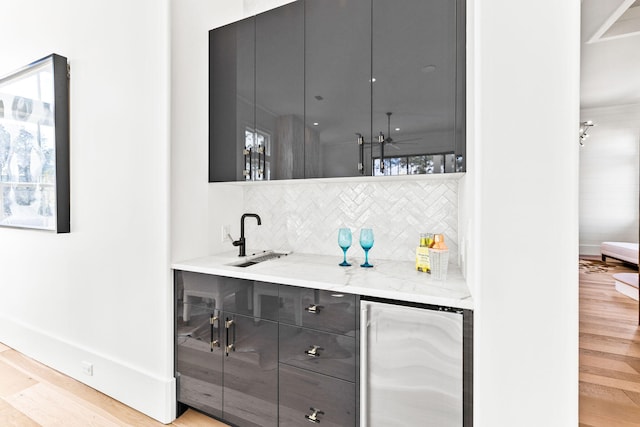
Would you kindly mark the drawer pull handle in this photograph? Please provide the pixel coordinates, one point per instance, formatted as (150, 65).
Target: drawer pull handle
(314, 308)
(314, 416)
(313, 351)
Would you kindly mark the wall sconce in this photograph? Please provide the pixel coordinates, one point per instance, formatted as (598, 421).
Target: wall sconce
(584, 127)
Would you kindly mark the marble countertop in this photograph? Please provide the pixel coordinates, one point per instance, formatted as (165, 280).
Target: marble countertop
(396, 280)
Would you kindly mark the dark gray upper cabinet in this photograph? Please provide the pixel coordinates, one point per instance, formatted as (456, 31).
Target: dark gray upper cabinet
(279, 92)
(337, 85)
(415, 93)
(292, 89)
(231, 99)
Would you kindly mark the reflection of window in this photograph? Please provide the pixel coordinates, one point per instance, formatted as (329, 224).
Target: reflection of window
(258, 164)
(416, 165)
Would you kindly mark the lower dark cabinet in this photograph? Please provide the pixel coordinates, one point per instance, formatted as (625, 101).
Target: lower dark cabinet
(245, 356)
(226, 362)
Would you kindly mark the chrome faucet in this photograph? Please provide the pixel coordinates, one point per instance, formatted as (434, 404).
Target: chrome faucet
(241, 242)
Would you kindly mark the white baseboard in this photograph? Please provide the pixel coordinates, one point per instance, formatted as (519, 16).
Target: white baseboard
(145, 392)
(589, 250)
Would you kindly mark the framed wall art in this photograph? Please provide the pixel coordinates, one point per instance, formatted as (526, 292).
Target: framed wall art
(34, 146)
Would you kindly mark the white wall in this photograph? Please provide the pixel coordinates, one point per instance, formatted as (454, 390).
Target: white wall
(524, 65)
(102, 293)
(609, 163)
(524, 179)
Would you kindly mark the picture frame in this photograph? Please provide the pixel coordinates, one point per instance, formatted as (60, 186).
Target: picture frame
(34, 146)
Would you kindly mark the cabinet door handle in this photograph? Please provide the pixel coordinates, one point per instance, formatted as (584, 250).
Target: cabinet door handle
(231, 345)
(313, 351)
(247, 172)
(314, 416)
(261, 161)
(212, 321)
(314, 308)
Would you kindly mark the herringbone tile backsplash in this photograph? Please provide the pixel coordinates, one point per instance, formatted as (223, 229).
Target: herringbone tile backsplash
(305, 217)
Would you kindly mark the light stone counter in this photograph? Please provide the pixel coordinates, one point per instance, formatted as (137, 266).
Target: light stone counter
(396, 280)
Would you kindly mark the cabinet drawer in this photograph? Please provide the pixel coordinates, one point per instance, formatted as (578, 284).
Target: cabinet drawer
(334, 355)
(301, 390)
(322, 310)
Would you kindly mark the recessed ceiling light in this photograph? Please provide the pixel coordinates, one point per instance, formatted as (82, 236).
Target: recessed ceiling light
(397, 129)
(428, 69)
(316, 123)
(373, 80)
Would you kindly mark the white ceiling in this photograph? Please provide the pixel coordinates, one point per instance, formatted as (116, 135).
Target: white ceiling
(610, 57)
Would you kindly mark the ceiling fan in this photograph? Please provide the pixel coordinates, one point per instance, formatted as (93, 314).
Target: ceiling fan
(382, 140)
(390, 141)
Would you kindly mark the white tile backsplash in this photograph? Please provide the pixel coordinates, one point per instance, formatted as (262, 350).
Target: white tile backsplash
(304, 216)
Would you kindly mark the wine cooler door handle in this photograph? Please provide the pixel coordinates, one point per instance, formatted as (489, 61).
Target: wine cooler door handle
(364, 368)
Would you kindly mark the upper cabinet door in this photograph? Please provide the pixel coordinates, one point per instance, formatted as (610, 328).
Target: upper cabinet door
(280, 131)
(415, 72)
(337, 86)
(232, 117)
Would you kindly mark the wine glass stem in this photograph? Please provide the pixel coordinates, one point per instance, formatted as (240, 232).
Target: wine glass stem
(345, 255)
(366, 256)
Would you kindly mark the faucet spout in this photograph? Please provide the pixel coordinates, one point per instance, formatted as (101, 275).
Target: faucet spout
(241, 242)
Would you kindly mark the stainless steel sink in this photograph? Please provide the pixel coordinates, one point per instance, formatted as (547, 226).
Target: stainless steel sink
(258, 258)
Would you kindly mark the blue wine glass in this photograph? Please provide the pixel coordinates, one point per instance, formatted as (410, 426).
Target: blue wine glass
(344, 241)
(366, 241)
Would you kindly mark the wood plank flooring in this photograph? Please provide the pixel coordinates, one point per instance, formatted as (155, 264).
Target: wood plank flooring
(609, 350)
(32, 394)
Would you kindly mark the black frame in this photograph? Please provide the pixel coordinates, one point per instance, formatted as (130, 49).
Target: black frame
(22, 110)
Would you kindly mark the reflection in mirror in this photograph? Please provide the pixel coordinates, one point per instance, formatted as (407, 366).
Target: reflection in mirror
(415, 165)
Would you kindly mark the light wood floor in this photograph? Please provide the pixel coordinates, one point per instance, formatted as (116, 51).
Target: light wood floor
(609, 353)
(32, 394)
